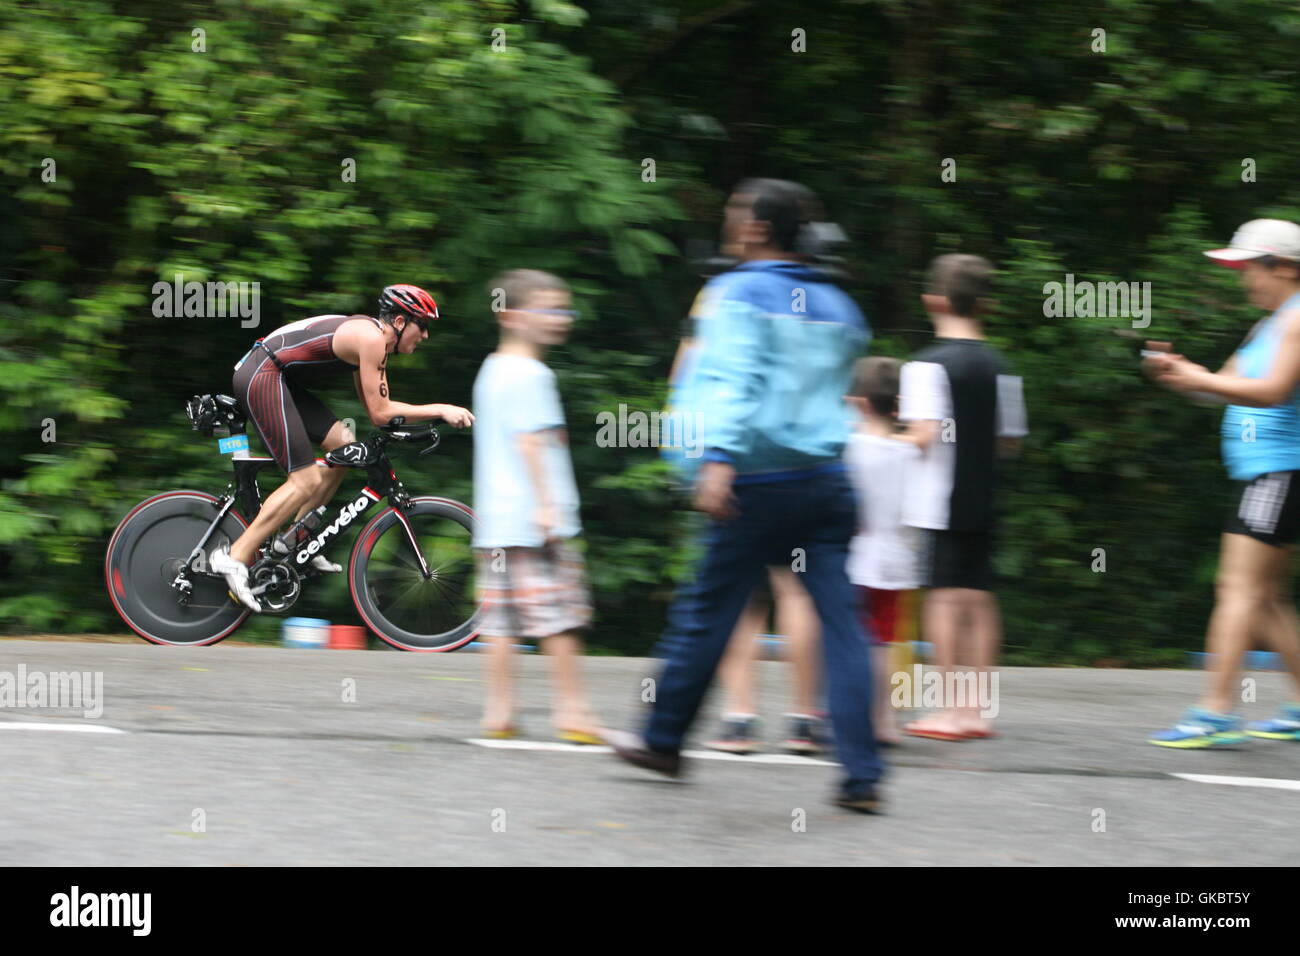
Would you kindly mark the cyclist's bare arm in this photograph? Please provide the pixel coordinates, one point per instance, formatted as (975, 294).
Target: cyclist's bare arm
(369, 353)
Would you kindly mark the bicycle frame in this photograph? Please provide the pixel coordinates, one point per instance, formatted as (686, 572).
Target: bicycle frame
(379, 474)
(382, 481)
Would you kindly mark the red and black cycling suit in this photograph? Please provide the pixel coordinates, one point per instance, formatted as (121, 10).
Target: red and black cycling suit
(270, 383)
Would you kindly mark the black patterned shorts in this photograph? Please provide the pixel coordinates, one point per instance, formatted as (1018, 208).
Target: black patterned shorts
(1267, 508)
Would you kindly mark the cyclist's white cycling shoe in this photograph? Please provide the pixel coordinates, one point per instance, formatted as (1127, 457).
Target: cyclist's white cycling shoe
(324, 564)
(236, 574)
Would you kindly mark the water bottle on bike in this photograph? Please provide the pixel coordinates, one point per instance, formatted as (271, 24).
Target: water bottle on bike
(297, 535)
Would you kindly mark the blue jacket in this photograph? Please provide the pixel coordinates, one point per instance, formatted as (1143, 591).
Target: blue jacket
(764, 384)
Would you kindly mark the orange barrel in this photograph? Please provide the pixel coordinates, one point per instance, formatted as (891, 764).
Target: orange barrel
(347, 637)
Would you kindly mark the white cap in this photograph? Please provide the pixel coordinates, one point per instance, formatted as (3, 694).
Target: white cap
(1260, 237)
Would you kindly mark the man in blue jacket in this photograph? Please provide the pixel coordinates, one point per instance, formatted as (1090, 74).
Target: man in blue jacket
(767, 371)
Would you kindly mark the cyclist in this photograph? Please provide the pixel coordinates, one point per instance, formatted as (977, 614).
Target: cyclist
(271, 383)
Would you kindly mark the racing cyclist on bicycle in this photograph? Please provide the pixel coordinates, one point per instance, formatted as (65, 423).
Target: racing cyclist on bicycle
(271, 383)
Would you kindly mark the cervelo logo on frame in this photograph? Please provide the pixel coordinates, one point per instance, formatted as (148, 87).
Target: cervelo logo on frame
(345, 518)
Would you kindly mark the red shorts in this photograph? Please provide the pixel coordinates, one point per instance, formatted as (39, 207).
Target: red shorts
(879, 613)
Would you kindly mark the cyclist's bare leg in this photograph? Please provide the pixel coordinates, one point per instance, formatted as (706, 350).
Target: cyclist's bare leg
(338, 436)
(282, 504)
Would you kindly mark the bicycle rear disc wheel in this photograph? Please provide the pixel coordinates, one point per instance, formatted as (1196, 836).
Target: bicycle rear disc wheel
(391, 593)
(149, 547)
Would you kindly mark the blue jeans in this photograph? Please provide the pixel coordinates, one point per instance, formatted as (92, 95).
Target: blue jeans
(818, 515)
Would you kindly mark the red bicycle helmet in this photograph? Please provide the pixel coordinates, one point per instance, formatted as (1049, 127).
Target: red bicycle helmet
(408, 300)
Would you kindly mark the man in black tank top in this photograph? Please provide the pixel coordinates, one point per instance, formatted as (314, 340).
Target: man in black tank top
(271, 382)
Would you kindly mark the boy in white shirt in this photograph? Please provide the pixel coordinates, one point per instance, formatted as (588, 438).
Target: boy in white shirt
(532, 581)
(883, 560)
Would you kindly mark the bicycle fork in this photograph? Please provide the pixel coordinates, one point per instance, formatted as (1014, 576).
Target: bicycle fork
(415, 545)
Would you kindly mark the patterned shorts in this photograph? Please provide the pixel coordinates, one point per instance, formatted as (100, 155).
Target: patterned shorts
(532, 592)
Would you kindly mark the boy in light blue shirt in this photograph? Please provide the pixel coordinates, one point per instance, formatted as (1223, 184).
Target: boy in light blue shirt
(531, 578)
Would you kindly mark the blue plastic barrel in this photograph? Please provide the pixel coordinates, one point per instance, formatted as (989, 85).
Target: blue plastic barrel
(311, 632)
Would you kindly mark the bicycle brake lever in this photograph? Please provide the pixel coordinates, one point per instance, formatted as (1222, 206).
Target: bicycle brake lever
(434, 441)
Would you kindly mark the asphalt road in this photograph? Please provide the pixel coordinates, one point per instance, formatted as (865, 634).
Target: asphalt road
(260, 744)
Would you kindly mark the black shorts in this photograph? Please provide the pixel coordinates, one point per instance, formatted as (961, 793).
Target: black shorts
(1267, 508)
(290, 419)
(958, 559)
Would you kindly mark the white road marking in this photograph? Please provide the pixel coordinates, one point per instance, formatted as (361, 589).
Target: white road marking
(558, 746)
(539, 745)
(75, 728)
(1271, 783)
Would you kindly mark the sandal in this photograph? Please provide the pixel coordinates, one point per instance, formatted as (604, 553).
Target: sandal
(579, 737)
(917, 729)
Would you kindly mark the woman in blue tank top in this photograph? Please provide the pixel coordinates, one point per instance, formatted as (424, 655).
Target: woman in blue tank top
(1260, 435)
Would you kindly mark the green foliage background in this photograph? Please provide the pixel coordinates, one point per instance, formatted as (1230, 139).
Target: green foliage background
(226, 164)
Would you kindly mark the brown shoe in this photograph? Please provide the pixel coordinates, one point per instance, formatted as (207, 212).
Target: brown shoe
(633, 749)
(861, 799)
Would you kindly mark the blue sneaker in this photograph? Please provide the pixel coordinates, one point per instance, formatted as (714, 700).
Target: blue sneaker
(1283, 727)
(1201, 729)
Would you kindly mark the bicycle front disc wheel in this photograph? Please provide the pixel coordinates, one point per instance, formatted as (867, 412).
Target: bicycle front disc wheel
(392, 593)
